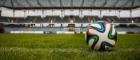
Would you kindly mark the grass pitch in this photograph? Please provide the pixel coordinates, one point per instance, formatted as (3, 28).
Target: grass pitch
(64, 47)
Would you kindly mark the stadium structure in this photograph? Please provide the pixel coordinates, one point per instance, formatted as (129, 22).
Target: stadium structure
(67, 16)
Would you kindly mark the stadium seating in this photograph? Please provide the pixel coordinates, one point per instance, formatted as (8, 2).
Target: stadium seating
(4, 19)
(66, 19)
(57, 19)
(109, 18)
(136, 20)
(77, 19)
(18, 20)
(34, 19)
(81, 23)
(124, 20)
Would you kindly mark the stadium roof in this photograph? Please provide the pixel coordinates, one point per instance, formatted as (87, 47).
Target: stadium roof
(98, 4)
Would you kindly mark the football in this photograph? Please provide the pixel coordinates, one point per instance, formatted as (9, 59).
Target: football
(101, 35)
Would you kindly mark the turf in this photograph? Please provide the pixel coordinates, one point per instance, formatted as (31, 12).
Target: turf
(64, 47)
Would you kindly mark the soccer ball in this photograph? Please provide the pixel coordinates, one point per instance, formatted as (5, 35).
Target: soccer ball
(101, 35)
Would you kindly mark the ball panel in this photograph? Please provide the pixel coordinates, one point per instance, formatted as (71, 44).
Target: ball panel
(91, 42)
(100, 29)
(96, 39)
(112, 34)
(105, 46)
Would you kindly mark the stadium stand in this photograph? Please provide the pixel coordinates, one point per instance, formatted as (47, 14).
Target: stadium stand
(4, 19)
(136, 20)
(57, 19)
(34, 19)
(124, 20)
(57, 15)
(109, 18)
(18, 20)
(66, 19)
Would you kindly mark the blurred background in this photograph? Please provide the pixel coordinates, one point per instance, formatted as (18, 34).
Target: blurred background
(67, 16)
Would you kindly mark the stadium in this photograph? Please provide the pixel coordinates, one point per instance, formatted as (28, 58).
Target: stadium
(55, 29)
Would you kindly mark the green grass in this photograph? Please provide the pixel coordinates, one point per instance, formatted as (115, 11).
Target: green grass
(64, 47)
